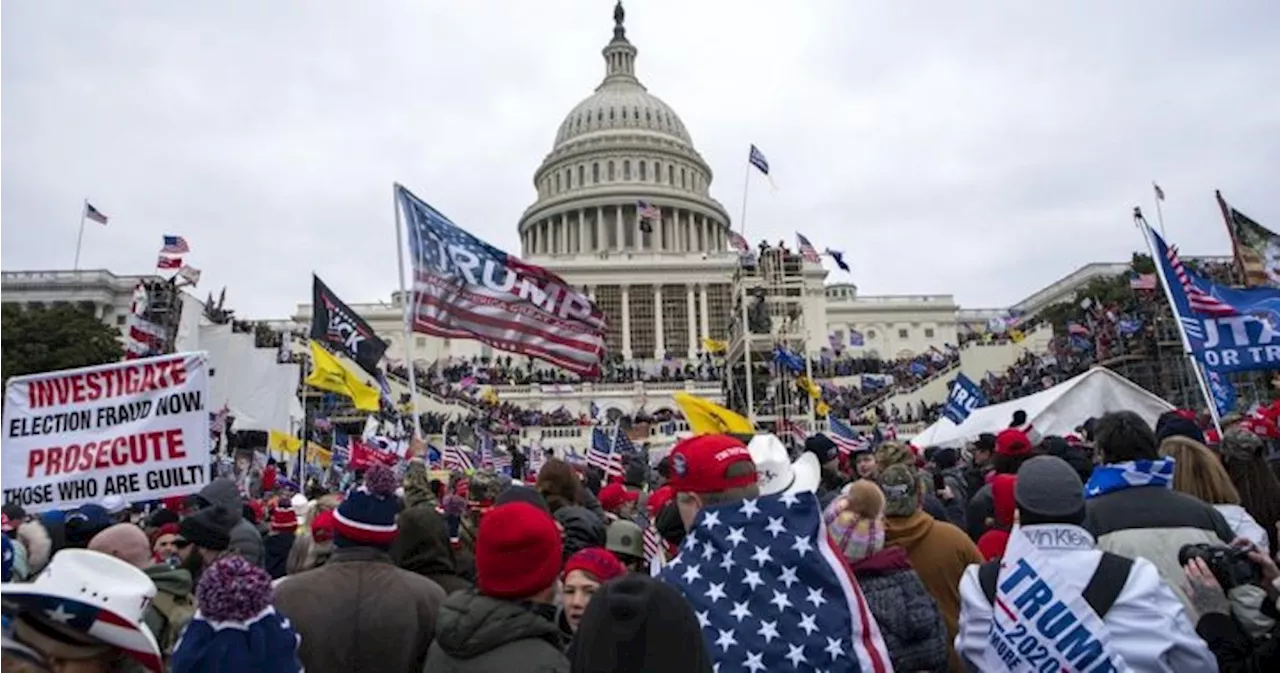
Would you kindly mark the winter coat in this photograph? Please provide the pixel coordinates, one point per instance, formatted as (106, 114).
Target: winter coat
(245, 538)
(1153, 522)
(592, 503)
(939, 552)
(982, 506)
(1149, 628)
(582, 529)
(951, 511)
(1235, 650)
(1244, 525)
(276, 548)
(423, 547)
(173, 607)
(358, 613)
(910, 623)
(478, 634)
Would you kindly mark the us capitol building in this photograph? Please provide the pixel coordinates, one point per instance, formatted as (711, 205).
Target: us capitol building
(663, 286)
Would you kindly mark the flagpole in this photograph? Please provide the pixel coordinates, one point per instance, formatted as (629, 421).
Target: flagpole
(1141, 222)
(84, 208)
(408, 304)
(742, 221)
(1159, 210)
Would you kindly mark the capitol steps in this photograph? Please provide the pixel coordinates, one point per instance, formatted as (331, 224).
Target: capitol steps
(976, 359)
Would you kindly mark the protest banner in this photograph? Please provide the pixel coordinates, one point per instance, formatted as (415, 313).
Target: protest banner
(138, 429)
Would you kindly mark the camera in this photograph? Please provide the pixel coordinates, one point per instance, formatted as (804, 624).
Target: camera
(1230, 566)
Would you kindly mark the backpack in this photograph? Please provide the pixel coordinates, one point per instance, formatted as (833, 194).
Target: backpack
(177, 612)
(1100, 593)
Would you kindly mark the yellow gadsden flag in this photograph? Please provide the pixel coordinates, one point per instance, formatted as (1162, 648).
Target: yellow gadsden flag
(328, 373)
(708, 418)
(283, 442)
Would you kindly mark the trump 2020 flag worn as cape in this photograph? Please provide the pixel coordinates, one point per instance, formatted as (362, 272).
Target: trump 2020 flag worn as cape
(334, 323)
(772, 593)
(464, 288)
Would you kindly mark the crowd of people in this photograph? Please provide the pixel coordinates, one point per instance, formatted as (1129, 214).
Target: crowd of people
(1119, 546)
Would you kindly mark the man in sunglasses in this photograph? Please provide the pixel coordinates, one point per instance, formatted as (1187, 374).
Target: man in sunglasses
(203, 538)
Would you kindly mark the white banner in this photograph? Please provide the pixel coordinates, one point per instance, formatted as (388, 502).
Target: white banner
(138, 429)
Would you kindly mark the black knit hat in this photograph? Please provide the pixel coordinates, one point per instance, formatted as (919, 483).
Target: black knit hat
(517, 493)
(821, 446)
(209, 528)
(636, 624)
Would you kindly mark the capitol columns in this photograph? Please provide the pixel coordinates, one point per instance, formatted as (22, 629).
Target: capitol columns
(626, 322)
(694, 341)
(617, 223)
(705, 316)
(659, 347)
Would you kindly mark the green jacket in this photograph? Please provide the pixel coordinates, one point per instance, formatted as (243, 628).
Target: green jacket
(478, 634)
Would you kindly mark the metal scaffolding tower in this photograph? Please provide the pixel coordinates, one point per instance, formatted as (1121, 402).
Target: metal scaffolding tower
(769, 312)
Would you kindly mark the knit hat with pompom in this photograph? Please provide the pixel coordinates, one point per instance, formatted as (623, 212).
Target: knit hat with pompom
(367, 518)
(856, 521)
(236, 629)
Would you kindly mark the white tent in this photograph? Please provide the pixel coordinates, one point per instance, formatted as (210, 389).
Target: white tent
(1055, 411)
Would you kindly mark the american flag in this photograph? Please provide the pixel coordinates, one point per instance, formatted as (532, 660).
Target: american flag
(738, 242)
(603, 453)
(1145, 281)
(168, 262)
(456, 458)
(792, 429)
(648, 211)
(772, 593)
(1199, 300)
(652, 545)
(465, 288)
(96, 215)
(756, 158)
(174, 245)
(890, 432)
(846, 438)
(807, 251)
(536, 458)
(341, 448)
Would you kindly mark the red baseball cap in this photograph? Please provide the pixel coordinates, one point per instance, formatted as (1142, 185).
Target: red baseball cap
(614, 496)
(658, 499)
(698, 464)
(1013, 442)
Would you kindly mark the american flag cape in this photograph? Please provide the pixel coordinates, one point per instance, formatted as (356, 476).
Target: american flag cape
(464, 288)
(771, 591)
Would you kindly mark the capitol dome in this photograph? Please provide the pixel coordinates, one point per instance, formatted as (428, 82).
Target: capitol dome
(624, 211)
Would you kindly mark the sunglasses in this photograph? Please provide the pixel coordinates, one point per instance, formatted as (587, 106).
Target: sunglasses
(181, 543)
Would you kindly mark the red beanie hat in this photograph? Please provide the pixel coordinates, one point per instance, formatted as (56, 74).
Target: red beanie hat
(518, 551)
(658, 499)
(323, 525)
(598, 562)
(992, 544)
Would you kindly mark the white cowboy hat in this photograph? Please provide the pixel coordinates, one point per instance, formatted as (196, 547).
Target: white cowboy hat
(96, 594)
(776, 473)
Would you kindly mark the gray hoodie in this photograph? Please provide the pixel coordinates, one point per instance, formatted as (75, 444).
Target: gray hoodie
(245, 539)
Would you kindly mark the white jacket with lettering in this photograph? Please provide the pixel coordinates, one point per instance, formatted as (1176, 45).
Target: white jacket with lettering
(1149, 627)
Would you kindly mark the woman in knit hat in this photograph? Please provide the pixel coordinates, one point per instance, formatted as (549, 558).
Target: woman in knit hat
(637, 624)
(236, 628)
(912, 626)
(582, 576)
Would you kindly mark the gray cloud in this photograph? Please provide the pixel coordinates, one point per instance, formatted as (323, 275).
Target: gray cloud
(980, 149)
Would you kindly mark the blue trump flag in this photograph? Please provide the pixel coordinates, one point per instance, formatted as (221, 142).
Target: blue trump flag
(1227, 329)
(772, 593)
(965, 396)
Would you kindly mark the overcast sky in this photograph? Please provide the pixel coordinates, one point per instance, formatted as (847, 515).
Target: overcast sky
(983, 149)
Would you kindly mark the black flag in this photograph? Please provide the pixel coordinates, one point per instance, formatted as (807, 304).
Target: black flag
(334, 323)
